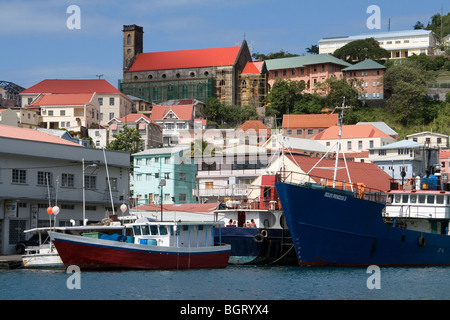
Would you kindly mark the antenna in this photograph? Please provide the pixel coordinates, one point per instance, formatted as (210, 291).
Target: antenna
(389, 25)
(99, 76)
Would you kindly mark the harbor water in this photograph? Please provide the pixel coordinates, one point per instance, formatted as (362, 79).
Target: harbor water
(232, 283)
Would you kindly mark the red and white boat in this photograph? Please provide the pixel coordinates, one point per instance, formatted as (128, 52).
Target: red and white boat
(146, 245)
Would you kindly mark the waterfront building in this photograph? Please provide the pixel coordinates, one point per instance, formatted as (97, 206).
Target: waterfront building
(399, 44)
(182, 74)
(177, 118)
(354, 138)
(412, 158)
(228, 174)
(370, 75)
(307, 126)
(164, 173)
(151, 132)
(74, 93)
(429, 138)
(38, 170)
(309, 69)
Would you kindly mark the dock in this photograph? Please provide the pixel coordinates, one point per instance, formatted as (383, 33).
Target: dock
(8, 262)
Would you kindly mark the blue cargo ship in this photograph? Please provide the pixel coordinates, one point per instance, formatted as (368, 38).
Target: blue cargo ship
(332, 227)
(345, 224)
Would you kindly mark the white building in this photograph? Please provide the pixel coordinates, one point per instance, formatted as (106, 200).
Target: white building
(399, 44)
(429, 138)
(38, 170)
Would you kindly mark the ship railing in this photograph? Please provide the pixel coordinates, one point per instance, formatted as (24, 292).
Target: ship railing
(426, 212)
(357, 190)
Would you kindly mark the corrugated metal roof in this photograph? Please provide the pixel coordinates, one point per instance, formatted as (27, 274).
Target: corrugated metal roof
(400, 145)
(378, 35)
(302, 61)
(367, 64)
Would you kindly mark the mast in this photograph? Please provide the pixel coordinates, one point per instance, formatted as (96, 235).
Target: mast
(339, 145)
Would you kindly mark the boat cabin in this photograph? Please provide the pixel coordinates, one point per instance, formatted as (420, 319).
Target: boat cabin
(173, 234)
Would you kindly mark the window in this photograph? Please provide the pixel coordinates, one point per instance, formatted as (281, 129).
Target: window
(111, 101)
(349, 145)
(62, 112)
(167, 197)
(111, 115)
(167, 160)
(299, 131)
(112, 182)
(182, 176)
(44, 178)
(289, 132)
(19, 176)
(310, 131)
(90, 182)
(381, 152)
(360, 145)
(182, 197)
(100, 101)
(371, 144)
(50, 113)
(67, 180)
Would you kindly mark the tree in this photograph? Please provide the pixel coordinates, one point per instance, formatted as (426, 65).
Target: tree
(230, 115)
(283, 96)
(128, 139)
(360, 50)
(418, 25)
(406, 84)
(314, 49)
(277, 55)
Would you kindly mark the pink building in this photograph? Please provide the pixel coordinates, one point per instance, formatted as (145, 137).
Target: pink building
(370, 75)
(310, 69)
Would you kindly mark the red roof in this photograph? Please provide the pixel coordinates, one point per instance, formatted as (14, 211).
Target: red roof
(63, 99)
(133, 117)
(253, 67)
(351, 132)
(368, 173)
(183, 59)
(310, 120)
(33, 135)
(182, 112)
(72, 86)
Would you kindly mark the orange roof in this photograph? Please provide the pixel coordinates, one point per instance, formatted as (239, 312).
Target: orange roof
(182, 112)
(351, 131)
(253, 67)
(253, 124)
(63, 99)
(33, 135)
(368, 173)
(185, 59)
(72, 86)
(310, 120)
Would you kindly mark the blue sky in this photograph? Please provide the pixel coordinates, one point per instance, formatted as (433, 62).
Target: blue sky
(36, 43)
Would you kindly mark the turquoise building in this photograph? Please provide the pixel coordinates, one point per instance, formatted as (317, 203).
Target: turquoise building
(166, 173)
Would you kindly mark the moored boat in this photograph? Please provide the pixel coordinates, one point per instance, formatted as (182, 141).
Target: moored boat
(146, 245)
(257, 231)
(338, 224)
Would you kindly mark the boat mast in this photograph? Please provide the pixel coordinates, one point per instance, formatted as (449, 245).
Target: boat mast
(339, 145)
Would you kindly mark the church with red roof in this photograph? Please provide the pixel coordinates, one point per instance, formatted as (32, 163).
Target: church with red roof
(187, 74)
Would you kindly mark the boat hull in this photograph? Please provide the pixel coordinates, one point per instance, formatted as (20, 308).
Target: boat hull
(98, 254)
(330, 229)
(257, 246)
(42, 261)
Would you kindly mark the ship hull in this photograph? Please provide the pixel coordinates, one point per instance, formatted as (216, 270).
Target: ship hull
(97, 254)
(332, 229)
(257, 246)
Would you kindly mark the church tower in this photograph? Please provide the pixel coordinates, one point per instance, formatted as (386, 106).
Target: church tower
(133, 44)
